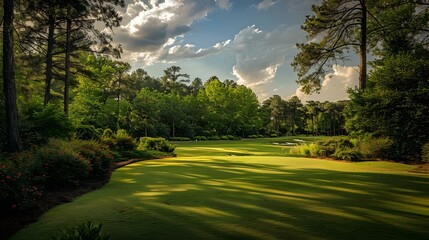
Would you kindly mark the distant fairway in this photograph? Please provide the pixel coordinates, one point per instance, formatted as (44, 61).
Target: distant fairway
(250, 189)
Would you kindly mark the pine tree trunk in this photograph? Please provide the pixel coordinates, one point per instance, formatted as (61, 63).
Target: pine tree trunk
(312, 125)
(363, 48)
(67, 65)
(9, 89)
(174, 130)
(48, 59)
(293, 122)
(118, 102)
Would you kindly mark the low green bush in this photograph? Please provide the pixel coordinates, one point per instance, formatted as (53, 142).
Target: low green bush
(214, 137)
(373, 147)
(231, 137)
(273, 135)
(158, 144)
(309, 150)
(18, 188)
(200, 138)
(342, 149)
(352, 155)
(179, 139)
(252, 136)
(223, 137)
(119, 141)
(84, 231)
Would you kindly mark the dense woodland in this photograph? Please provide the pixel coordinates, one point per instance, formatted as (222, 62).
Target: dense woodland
(62, 79)
(70, 84)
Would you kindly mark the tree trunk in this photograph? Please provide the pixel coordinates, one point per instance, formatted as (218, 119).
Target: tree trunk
(48, 59)
(363, 48)
(174, 130)
(118, 107)
(67, 65)
(9, 89)
(312, 125)
(293, 122)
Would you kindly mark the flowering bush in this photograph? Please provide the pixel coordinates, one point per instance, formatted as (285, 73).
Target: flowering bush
(17, 188)
(100, 158)
(61, 167)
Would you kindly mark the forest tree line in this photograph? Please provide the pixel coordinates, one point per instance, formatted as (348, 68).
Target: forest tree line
(68, 82)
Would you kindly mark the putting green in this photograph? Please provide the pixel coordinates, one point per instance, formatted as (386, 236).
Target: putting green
(250, 196)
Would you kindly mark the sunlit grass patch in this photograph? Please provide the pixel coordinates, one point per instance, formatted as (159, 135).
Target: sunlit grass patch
(206, 194)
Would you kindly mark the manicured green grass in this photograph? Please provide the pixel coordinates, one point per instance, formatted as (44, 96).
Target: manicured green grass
(245, 147)
(205, 193)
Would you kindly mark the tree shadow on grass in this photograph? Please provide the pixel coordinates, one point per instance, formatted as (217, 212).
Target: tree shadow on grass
(222, 199)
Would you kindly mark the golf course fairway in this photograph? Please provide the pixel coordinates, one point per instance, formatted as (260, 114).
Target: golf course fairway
(249, 189)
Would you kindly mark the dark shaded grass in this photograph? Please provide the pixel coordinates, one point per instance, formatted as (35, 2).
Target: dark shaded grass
(250, 198)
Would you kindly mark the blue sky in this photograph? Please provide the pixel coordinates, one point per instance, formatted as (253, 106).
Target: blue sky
(249, 41)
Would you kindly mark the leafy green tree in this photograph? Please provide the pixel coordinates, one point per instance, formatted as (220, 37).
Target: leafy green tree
(98, 98)
(276, 106)
(196, 85)
(173, 80)
(312, 111)
(295, 107)
(145, 113)
(172, 111)
(396, 106)
(215, 97)
(245, 117)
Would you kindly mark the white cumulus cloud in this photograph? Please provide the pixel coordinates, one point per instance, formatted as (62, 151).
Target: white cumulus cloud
(334, 86)
(259, 54)
(265, 4)
(149, 26)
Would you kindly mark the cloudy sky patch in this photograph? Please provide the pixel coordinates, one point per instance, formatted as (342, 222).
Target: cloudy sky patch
(251, 42)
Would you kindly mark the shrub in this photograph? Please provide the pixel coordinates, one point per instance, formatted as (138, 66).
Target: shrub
(158, 144)
(119, 141)
(252, 136)
(309, 150)
(88, 132)
(342, 149)
(200, 138)
(214, 137)
(349, 155)
(273, 135)
(179, 139)
(107, 134)
(259, 136)
(224, 137)
(62, 167)
(375, 147)
(425, 153)
(18, 190)
(84, 231)
(100, 158)
(40, 123)
(232, 137)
